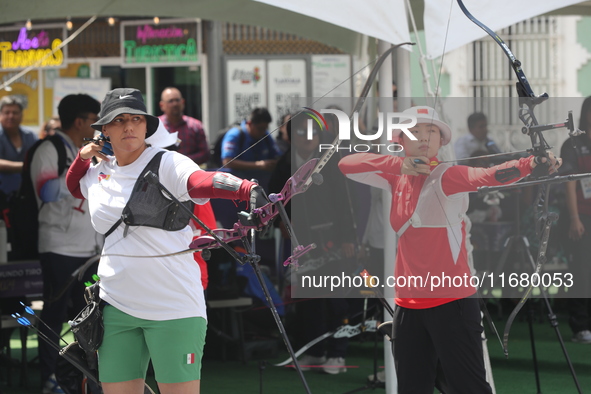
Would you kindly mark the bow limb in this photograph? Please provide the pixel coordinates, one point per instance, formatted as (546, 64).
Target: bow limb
(548, 220)
(528, 99)
(319, 339)
(360, 101)
(523, 84)
(344, 331)
(307, 346)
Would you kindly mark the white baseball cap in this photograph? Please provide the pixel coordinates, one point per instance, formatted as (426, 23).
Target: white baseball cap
(427, 115)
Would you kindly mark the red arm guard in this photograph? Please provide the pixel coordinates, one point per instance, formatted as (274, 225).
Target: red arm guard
(76, 171)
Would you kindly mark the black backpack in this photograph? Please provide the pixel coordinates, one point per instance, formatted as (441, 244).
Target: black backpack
(215, 157)
(23, 211)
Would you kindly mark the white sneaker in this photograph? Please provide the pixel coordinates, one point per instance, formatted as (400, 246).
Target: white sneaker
(380, 377)
(51, 386)
(307, 362)
(334, 365)
(582, 336)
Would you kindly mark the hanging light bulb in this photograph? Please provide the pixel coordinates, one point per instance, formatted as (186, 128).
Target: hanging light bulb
(156, 20)
(29, 25)
(69, 24)
(111, 21)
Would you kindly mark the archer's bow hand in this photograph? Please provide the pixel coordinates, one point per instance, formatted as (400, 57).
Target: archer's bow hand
(258, 199)
(550, 160)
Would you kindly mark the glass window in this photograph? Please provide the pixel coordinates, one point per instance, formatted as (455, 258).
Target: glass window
(186, 79)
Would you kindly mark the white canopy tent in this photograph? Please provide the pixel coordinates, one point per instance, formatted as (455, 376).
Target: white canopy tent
(340, 23)
(447, 28)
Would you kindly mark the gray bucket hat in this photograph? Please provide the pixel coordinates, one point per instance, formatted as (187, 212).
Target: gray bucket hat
(124, 101)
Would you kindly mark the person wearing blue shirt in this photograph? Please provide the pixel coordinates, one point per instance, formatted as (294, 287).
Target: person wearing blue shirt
(248, 151)
(15, 141)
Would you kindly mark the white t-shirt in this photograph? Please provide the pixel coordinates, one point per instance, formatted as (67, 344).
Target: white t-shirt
(152, 288)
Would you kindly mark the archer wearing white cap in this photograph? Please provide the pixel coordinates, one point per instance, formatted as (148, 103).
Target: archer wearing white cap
(435, 321)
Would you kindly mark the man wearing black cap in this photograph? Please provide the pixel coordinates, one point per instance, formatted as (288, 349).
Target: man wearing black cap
(66, 236)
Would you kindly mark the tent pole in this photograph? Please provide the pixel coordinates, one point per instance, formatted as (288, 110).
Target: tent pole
(386, 105)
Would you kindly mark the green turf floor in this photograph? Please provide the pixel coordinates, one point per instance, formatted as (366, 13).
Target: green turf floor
(513, 375)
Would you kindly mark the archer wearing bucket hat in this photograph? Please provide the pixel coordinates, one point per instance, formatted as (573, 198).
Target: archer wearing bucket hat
(147, 302)
(427, 115)
(124, 101)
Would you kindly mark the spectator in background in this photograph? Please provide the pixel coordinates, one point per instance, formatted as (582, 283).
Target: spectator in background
(282, 138)
(248, 150)
(193, 141)
(50, 127)
(477, 138)
(329, 224)
(15, 141)
(66, 237)
(576, 153)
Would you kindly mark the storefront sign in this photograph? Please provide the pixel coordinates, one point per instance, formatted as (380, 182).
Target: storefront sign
(167, 43)
(21, 48)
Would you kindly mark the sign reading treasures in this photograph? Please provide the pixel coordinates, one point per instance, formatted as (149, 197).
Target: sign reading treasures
(22, 48)
(173, 41)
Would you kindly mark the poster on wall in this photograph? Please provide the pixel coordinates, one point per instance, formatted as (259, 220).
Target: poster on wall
(26, 88)
(328, 74)
(246, 87)
(96, 88)
(170, 42)
(287, 86)
(72, 70)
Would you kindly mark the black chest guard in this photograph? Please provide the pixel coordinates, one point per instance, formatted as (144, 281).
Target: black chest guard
(147, 206)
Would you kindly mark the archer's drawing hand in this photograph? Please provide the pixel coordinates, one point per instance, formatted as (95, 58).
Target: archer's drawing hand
(555, 162)
(416, 165)
(93, 149)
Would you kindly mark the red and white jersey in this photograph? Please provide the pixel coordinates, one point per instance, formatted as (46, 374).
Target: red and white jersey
(428, 256)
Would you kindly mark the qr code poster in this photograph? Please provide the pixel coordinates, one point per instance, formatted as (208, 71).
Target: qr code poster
(246, 87)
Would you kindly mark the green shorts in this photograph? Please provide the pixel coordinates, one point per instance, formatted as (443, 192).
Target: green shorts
(175, 347)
